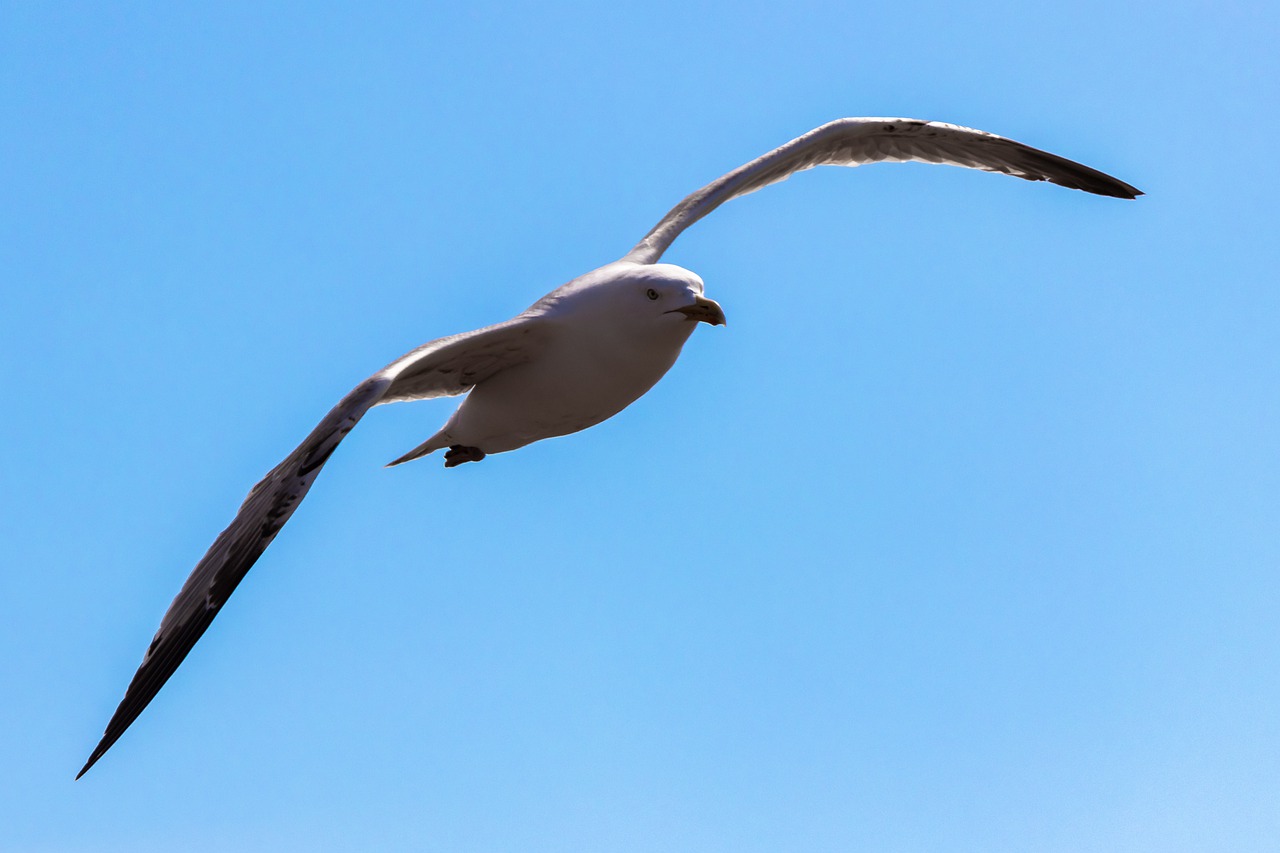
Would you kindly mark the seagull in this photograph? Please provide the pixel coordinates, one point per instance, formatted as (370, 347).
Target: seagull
(576, 357)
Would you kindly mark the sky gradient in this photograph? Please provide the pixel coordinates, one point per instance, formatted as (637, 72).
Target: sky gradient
(961, 536)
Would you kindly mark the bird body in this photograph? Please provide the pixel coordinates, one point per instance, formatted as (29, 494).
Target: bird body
(610, 336)
(576, 357)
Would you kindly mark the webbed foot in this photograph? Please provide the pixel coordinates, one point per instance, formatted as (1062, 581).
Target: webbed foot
(457, 454)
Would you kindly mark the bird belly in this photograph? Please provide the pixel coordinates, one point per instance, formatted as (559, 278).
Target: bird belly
(566, 390)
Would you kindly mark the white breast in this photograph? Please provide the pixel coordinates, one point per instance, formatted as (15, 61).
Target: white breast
(586, 376)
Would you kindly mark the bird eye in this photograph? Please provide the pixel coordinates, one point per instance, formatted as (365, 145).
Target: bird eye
(651, 293)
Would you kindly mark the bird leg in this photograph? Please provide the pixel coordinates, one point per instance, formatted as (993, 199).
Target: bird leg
(457, 454)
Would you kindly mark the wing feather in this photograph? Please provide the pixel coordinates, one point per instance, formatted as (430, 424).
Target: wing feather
(442, 367)
(858, 141)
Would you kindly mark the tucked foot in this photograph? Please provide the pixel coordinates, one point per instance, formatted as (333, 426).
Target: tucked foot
(457, 454)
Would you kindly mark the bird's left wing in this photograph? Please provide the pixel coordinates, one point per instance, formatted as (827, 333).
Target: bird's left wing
(444, 367)
(858, 141)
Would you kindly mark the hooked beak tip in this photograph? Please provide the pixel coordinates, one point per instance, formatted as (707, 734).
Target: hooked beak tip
(704, 310)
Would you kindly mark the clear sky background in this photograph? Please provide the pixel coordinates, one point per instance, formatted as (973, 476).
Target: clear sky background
(961, 537)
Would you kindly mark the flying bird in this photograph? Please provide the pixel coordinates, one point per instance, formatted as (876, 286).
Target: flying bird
(576, 357)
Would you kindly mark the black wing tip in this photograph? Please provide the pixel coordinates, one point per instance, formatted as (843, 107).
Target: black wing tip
(114, 730)
(1097, 183)
(1080, 177)
(147, 681)
(93, 759)
(1120, 190)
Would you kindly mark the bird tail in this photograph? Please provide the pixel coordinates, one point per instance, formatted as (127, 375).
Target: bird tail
(431, 445)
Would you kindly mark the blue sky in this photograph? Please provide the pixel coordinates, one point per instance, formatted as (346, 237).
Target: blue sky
(961, 536)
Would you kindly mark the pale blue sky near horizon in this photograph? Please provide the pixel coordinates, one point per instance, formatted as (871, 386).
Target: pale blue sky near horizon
(962, 536)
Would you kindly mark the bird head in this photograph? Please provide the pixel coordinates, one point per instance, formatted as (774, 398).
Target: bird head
(653, 296)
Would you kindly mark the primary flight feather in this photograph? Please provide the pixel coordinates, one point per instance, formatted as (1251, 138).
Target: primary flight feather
(577, 356)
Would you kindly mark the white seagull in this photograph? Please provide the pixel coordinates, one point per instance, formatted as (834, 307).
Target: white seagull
(576, 357)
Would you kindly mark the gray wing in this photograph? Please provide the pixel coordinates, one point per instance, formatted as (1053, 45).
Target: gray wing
(444, 367)
(857, 141)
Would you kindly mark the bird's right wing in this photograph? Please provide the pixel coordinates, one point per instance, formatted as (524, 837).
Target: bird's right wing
(858, 141)
(443, 367)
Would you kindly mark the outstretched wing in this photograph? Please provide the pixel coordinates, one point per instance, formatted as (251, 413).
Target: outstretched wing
(857, 141)
(444, 367)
